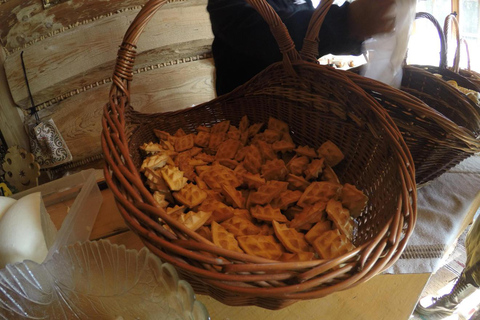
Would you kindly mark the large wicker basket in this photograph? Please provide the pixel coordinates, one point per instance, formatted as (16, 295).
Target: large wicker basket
(435, 142)
(318, 103)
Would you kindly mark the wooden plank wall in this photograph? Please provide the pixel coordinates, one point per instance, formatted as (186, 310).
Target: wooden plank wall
(70, 49)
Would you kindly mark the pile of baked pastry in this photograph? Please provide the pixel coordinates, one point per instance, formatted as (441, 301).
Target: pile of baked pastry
(251, 189)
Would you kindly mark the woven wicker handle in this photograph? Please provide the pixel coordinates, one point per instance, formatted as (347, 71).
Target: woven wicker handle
(452, 20)
(467, 51)
(443, 51)
(123, 73)
(309, 50)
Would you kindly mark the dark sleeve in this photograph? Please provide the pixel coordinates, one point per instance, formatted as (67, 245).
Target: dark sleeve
(238, 25)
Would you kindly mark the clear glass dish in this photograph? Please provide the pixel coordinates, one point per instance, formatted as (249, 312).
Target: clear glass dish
(97, 280)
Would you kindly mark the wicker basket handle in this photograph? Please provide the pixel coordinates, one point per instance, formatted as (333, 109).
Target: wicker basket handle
(452, 20)
(443, 51)
(126, 54)
(467, 51)
(309, 50)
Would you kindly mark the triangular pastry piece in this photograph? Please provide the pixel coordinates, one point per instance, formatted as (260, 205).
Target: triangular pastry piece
(329, 175)
(180, 133)
(309, 215)
(155, 161)
(227, 149)
(253, 159)
(268, 214)
(240, 155)
(286, 199)
(261, 246)
(297, 182)
(202, 139)
(155, 180)
(298, 165)
(278, 125)
(233, 196)
(331, 153)
(233, 133)
(317, 230)
(314, 169)
(274, 170)
(160, 199)
(218, 175)
(216, 140)
(353, 199)
(221, 127)
(243, 213)
(224, 239)
(240, 226)
(205, 157)
(151, 148)
(332, 244)
(266, 230)
(162, 135)
(254, 129)
(229, 163)
(340, 217)
(176, 211)
(306, 151)
(194, 220)
(253, 181)
(244, 124)
(267, 192)
(266, 150)
(291, 239)
(272, 135)
(205, 232)
(190, 195)
(283, 146)
(173, 177)
(319, 191)
(184, 143)
(220, 211)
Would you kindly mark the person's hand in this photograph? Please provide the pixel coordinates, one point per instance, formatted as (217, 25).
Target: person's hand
(367, 18)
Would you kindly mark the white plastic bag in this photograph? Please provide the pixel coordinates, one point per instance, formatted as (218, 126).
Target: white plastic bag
(386, 52)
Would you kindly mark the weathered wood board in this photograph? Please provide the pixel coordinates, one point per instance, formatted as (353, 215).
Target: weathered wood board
(163, 89)
(70, 51)
(80, 56)
(23, 22)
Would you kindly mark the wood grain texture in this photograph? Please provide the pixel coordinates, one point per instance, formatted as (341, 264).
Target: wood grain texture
(385, 297)
(83, 55)
(11, 122)
(158, 90)
(25, 21)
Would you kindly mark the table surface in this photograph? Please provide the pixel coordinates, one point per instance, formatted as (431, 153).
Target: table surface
(383, 297)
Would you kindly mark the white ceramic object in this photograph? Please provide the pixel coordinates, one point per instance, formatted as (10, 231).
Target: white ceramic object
(97, 280)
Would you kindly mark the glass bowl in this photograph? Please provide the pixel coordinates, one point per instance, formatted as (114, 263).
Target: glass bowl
(97, 280)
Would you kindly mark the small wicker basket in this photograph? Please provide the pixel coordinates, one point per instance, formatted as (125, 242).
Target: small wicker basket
(319, 104)
(468, 74)
(435, 142)
(423, 82)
